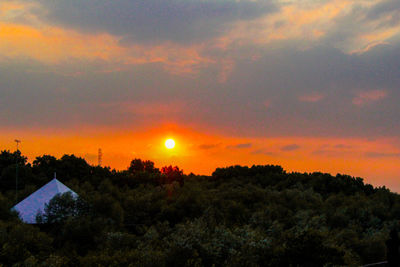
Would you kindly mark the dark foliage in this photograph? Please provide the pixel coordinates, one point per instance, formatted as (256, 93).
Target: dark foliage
(239, 216)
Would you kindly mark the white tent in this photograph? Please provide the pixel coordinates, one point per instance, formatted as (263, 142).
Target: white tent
(30, 206)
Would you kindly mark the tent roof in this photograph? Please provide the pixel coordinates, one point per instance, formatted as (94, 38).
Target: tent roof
(30, 206)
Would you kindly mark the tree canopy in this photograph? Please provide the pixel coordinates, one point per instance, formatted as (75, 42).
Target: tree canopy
(239, 216)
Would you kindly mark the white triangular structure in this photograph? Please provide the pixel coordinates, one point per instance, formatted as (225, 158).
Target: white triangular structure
(30, 206)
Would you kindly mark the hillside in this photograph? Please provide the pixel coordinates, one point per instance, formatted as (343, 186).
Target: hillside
(239, 216)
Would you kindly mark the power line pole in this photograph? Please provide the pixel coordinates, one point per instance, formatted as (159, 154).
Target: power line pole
(16, 171)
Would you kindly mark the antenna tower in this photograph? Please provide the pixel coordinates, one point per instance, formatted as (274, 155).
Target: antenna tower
(100, 157)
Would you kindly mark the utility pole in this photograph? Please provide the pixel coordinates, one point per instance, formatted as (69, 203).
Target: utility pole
(16, 171)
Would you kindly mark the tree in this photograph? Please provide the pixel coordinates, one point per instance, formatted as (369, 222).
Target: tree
(22, 241)
(60, 207)
(8, 164)
(7, 158)
(171, 174)
(72, 167)
(138, 165)
(45, 165)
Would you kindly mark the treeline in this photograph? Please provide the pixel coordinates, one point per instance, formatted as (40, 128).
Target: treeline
(239, 216)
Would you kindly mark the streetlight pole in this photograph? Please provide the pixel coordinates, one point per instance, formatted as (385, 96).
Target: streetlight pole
(16, 171)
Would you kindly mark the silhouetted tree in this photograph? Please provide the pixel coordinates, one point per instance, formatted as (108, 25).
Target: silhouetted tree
(171, 174)
(7, 158)
(72, 167)
(61, 207)
(8, 164)
(45, 165)
(138, 165)
(241, 216)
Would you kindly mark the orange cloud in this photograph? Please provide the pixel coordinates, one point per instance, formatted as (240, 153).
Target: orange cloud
(295, 21)
(367, 97)
(373, 37)
(312, 98)
(54, 45)
(11, 9)
(312, 21)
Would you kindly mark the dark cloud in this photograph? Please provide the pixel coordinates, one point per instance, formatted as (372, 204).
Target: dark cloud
(280, 77)
(389, 9)
(324, 152)
(381, 155)
(330, 153)
(263, 152)
(350, 27)
(343, 146)
(332, 150)
(240, 146)
(33, 94)
(291, 147)
(36, 95)
(208, 146)
(154, 20)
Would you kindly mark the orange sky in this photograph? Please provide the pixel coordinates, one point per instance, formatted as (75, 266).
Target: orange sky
(201, 153)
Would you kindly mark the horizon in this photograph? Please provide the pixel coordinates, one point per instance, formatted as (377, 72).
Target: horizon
(307, 85)
(293, 154)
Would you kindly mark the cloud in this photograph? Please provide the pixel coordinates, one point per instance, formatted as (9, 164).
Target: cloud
(330, 23)
(263, 152)
(154, 20)
(240, 146)
(147, 108)
(332, 153)
(267, 104)
(290, 147)
(324, 152)
(250, 80)
(389, 9)
(381, 155)
(311, 98)
(236, 107)
(63, 45)
(334, 150)
(366, 97)
(374, 26)
(208, 146)
(343, 146)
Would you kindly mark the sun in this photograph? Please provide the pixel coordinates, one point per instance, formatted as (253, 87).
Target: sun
(170, 143)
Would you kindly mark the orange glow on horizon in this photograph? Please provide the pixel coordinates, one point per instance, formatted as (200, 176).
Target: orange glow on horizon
(203, 153)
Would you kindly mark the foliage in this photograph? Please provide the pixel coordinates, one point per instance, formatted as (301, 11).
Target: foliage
(171, 174)
(61, 207)
(238, 216)
(138, 165)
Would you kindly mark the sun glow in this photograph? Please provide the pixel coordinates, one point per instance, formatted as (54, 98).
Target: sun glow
(170, 143)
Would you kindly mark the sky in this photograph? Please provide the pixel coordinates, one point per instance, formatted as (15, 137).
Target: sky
(310, 85)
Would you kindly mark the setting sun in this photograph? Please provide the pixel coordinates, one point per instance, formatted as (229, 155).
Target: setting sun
(170, 143)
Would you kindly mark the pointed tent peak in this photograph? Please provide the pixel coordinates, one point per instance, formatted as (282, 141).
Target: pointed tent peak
(56, 186)
(30, 206)
(62, 188)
